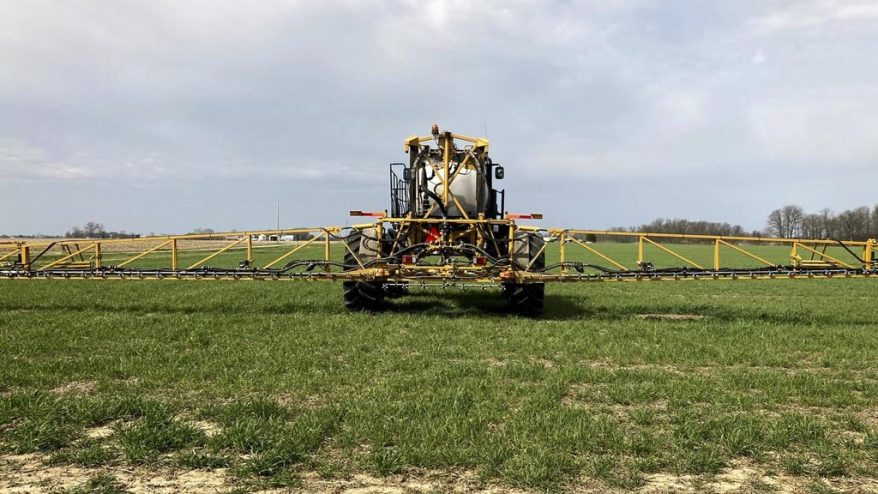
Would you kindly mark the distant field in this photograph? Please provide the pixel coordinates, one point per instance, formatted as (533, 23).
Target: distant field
(746, 386)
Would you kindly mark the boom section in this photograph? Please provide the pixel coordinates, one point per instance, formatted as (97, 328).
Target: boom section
(448, 252)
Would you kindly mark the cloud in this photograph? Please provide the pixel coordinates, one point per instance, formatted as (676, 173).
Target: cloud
(812, 14)
(295, 97)
(21, 161)
(829, 128)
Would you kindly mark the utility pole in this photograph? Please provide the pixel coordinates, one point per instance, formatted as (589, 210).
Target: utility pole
(277, 216)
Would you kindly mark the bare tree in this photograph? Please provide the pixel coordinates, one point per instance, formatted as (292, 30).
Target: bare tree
(89, 230)
(793, 216)
(785, 222)
(854, 224)
(774, 225)
(813, 226)
(827, 218)
(93, 229)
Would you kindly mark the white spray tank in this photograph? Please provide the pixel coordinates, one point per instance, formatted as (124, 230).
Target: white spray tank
(464, 188)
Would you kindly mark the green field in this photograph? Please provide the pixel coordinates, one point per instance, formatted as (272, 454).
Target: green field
(620, 385)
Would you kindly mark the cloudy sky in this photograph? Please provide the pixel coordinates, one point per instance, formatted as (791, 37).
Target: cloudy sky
(164, 116)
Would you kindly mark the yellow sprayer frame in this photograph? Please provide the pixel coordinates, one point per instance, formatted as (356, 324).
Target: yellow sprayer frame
(115, 258)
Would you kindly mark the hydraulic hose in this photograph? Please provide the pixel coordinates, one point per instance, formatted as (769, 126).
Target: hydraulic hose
(856, 256)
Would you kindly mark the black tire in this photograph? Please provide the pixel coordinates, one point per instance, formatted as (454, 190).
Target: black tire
(528, 298)
(499, 246)
(395, 290)
(360, 295)
(535, 246)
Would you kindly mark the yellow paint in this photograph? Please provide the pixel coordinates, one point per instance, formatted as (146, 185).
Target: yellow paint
(250, 250)
(174, 254)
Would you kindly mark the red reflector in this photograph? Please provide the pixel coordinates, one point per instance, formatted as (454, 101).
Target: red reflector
(481, 261)
(532, 216)
(365, 213)
(408, 259)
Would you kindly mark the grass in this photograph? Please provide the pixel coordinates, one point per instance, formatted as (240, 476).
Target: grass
(275, 379)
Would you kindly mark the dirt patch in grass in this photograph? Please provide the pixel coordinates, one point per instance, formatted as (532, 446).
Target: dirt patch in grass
(548, 364)
(865, 376)
(853, 436)
(75, 387)
(100, 432)
(744, 477)
(581, 393)
(209, 428)
(27, 473)
(612, 366)
(458, 482)
(306, 401)
(869, 417)
(665, 482)
(672, 317)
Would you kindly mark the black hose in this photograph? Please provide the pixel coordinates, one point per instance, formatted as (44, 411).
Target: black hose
(436, 198)
(38, 256)
(856, 256)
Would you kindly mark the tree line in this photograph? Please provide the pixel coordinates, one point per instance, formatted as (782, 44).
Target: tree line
(680, 226)
(692, 227)
(93, 229)
(792, 221)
